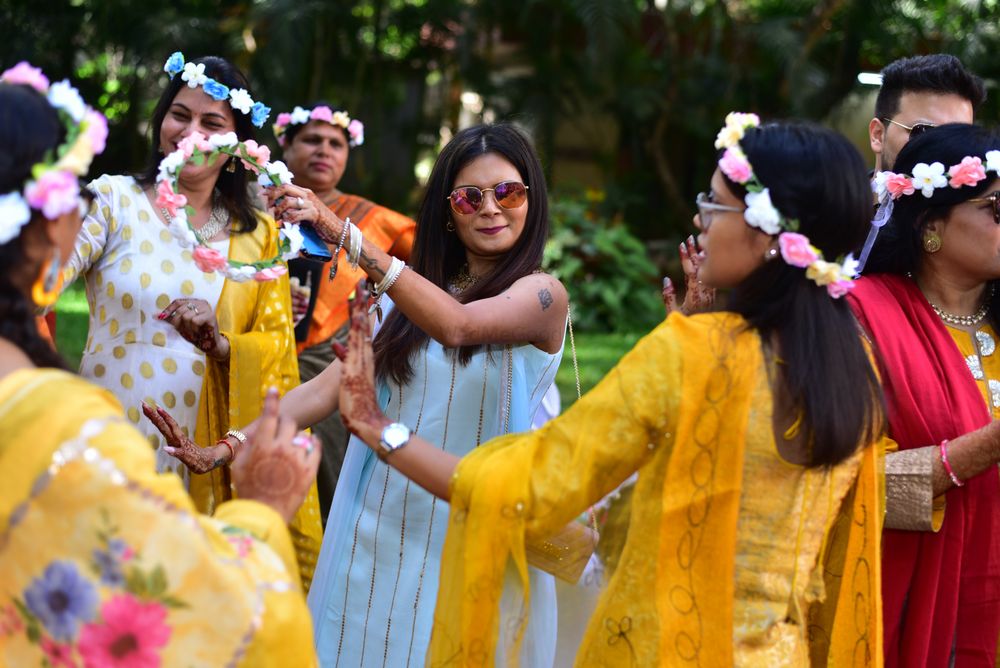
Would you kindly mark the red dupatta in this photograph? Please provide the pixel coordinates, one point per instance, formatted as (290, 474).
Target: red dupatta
(940, 590)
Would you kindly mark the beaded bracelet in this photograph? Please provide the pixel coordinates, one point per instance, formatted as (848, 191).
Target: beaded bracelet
(340, 245)
(947, 466)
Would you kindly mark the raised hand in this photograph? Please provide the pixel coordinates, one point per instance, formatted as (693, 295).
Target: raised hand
(176, 444)
(277, 465)
(697, 296)
(358, 405)
(194, 319)
(294, 204)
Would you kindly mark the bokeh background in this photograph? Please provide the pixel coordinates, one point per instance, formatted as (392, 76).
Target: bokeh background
(622, 97)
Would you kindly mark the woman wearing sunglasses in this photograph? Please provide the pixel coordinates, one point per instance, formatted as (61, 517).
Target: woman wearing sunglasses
(754, 533)
(465, 352)
(930, 305)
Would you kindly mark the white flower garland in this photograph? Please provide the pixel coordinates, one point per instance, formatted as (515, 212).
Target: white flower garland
(197, 149)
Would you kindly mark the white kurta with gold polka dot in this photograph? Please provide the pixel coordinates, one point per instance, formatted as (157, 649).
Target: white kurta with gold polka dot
(134, 268)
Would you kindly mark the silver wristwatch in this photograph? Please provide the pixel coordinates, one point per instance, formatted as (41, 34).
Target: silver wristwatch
(394, 436)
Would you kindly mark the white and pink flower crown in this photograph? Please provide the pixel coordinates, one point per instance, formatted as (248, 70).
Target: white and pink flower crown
(299, 116)
(836, 277)
(925, 179)
(54, 186)
(239, 98)
(198, 149)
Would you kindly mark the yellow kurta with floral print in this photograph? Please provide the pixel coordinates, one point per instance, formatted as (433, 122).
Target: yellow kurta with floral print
(105, 562)
(733, 556)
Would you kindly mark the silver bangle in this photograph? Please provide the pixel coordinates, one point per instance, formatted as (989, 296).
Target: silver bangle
(396, 267)
(340, 245)
(354, 251)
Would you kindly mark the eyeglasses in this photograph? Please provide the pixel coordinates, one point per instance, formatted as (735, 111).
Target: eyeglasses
(914, 130)
(707, 208)
(467, 200)
(992, 197)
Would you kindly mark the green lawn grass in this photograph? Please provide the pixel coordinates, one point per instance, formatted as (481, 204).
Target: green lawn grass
(596, 352)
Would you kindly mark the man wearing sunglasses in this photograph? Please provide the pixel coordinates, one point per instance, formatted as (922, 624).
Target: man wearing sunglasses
(919, 93)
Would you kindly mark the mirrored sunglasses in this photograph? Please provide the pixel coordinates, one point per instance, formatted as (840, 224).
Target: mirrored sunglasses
(467, 200)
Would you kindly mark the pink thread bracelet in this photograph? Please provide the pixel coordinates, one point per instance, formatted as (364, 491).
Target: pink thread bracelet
(947, 466)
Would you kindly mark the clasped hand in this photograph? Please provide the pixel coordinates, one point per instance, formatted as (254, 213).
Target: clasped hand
(294, 204)
(194, 319)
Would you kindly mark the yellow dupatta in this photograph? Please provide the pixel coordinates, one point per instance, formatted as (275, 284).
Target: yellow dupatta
(676, 409)
(256, 318)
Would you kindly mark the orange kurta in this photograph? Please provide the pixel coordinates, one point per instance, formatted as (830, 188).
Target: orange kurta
(392, 232)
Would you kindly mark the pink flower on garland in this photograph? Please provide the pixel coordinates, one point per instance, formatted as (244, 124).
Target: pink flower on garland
(969, 172)
(735, 165)
(839, 288)
(322, 113)
(24, 73)
(262, 154)
(796, 249)
(55, 193)
(58, 654)
(209, 259)
(167, 199)
(898, 185)
(195, 140)
(130, 635)
(270, 273)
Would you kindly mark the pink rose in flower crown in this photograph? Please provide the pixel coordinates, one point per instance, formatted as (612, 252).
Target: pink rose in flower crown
(969, 172)
(262, 154)
(97, 130)
(208, 259)
(284, 118)
(270, 273)
(322, 113)
(356, 130)
(796, 249)
(898, 185)
(54, 193)
(24, 73)
(839, 288)
(167, 199)
(193, 141)
(735, 165)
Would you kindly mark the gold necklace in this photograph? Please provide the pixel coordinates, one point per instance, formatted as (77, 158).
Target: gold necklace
(462, 281)
(966, 320)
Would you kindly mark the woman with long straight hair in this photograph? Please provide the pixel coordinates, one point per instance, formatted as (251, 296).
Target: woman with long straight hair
(756, 432)
(466, 351)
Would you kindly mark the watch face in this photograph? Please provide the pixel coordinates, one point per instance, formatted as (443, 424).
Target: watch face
(395, 435)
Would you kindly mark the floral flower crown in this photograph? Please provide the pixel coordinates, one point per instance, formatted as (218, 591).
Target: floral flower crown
(239, 98)
(836, 277)
(54, 187)
(890, 186)
(198, 149)
(299, 116)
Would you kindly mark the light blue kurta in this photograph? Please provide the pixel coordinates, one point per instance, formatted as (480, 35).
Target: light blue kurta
(382, 547)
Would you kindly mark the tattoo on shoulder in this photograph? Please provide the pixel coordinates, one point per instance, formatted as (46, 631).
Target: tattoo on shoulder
(545, 298)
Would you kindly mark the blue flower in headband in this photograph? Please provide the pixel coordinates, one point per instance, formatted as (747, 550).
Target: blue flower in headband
(259, 113)
(174, 64)
(216, 90)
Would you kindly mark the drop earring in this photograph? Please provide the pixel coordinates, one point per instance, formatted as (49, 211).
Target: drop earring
(231, 165)
(46, 288)
(449, 225)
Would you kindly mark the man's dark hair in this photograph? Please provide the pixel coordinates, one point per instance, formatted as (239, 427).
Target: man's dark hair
(938, 73)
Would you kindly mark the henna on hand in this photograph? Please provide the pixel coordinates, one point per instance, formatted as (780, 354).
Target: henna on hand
(358, 404)
(698, 297)
(196, 458)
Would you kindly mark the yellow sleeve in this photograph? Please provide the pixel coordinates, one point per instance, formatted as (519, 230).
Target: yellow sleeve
(536, 483)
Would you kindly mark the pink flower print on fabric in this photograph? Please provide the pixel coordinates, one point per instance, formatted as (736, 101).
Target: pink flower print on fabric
(58, 654)
(969, 172)
(796, 249)
(899, 185)
(131, 634)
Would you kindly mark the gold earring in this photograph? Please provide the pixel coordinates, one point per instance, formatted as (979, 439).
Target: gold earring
(449, 225)
(46, 288)
(932, 242)
(231, 167)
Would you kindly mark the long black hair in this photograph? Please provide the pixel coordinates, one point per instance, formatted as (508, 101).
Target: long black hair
(232, 186)
(29, 131)
(898, 248)
(438, 254)
(825, 376)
